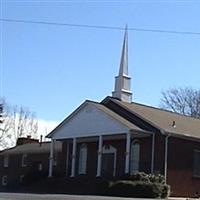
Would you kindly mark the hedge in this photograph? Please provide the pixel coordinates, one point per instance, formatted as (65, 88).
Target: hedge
(140, 185)
(138, 189)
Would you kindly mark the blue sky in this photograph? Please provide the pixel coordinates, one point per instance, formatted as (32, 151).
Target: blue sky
(53, 69)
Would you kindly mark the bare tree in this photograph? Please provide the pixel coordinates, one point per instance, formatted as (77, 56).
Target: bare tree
(185, 101)
(16, 122)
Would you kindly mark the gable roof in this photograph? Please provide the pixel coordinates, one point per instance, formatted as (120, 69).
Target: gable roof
(163, 119)
(111, 114)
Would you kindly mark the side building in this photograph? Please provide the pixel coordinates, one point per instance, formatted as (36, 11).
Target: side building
(27, 161)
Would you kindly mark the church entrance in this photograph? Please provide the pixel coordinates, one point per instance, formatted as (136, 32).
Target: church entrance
(108, 162)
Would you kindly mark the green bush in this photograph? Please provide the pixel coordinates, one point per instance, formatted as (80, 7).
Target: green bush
(141, 176)
(157, 178)
(140, 185)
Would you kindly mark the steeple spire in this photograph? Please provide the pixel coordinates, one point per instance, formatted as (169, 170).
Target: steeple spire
(124, 57)
(123, 81)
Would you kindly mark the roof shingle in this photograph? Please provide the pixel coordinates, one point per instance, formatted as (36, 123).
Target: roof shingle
(184, 125)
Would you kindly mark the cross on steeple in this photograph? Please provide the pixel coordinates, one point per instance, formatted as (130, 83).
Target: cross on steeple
(123, 81)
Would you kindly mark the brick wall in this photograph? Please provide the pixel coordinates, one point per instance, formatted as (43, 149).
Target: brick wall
(15, 168)
(180, 167)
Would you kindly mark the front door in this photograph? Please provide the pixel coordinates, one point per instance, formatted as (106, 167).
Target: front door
(108, 164)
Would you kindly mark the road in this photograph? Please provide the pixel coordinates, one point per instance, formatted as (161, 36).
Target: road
(26, 196)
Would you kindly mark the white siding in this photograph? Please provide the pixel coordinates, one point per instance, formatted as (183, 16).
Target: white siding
(89, 121)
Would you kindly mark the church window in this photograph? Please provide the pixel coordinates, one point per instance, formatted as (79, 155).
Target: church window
(135, 157)
(82, 159)
(196, 163)
(6, 160)
(24, 160)
(4, 180)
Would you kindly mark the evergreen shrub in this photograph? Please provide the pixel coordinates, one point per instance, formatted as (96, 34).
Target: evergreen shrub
(140, 185)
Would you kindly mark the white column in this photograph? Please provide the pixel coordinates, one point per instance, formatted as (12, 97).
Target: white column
(99, 156)
(51, 158)
(152, 153)
(127, 161)
(67, 159)
(73, 158)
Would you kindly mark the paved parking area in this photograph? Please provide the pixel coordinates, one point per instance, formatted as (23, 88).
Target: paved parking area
(28, 196)
(24, 196)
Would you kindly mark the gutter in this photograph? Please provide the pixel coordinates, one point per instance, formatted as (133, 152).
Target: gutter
(184, 136)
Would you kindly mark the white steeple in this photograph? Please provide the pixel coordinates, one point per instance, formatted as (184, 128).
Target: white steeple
(123, 81)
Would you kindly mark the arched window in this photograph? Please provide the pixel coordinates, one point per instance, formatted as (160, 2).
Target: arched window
(82, 159)
(135, 157)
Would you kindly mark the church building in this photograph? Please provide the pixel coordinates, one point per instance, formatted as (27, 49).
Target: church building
(117, 137)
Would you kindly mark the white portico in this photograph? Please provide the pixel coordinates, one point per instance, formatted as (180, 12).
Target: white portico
(93, 120)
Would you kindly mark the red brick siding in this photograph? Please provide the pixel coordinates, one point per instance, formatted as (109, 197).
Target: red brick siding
(15, 169)
(145, 154)
(159, 155)
(180, 167)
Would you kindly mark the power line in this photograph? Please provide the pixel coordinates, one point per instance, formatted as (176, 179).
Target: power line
(99, 27)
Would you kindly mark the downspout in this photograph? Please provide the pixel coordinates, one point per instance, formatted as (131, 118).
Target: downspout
(152, 153)
(166, 156)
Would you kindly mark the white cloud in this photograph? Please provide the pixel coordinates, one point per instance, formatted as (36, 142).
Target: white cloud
(45, 127)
